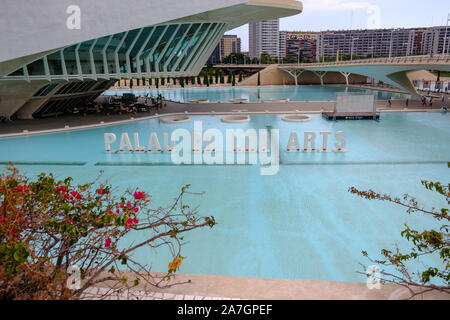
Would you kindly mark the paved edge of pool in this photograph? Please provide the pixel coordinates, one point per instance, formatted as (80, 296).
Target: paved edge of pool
(157, 116)
(210, 287)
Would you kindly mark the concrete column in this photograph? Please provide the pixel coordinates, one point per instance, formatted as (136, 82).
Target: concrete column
(295, 74)
(346, 75)
(14, 94)
(321, 75)
(32, 105)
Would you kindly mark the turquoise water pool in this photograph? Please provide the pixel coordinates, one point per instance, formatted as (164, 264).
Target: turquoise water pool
(298, 224)
(255, 94)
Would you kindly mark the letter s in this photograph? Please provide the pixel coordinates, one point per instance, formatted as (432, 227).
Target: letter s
(343, 143)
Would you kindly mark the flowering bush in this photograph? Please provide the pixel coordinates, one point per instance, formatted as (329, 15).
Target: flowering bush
(49, 225)
(428, 243)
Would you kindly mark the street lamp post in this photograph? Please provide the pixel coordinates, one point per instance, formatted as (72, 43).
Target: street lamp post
(390, 45)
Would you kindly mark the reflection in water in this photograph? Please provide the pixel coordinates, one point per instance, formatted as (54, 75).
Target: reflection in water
(258, 94)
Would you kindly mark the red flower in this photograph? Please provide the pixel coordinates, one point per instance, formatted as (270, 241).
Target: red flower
(22, 189)
(138, 195)
(2, 220)
(130, 222)
(76, 195)
(108, 242)
(61, 189)
(136, 210)
(100, 191)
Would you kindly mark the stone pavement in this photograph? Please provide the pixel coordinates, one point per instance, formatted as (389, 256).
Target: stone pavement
(74, 121)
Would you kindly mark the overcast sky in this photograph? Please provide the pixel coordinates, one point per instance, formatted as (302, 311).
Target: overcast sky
(321, 15)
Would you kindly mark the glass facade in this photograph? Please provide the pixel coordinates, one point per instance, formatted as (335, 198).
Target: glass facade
(170, 50)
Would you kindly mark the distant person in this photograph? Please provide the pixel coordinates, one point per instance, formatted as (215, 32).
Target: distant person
(424, 102)
(390, 102)
(431, 102)
(407, 102)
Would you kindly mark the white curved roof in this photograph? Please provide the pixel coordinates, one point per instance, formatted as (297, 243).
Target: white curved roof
(29, 27)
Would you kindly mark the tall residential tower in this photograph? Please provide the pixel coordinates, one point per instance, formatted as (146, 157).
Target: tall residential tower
(264, 37)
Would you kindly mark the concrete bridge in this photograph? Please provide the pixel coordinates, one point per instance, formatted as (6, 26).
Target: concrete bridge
(393, 71)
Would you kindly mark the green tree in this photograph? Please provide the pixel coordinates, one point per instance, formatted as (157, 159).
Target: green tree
(222, 78)
(240, 76)
(217, 75)
(289, 59)
(233, 81)
(230, 75)
(425, 246)
(236, 58)
(205, 79)
(266, 58)
(199, 80)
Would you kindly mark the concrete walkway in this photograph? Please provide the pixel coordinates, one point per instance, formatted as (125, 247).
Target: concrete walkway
(209, 287)
(74, 121)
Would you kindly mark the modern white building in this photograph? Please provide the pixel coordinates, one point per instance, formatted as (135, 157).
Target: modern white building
(264, 37)
(56, 54)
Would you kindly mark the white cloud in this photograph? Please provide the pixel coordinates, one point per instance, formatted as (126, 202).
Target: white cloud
(335, 5)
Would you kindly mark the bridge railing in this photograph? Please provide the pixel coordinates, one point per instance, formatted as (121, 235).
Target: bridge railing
(395, 60)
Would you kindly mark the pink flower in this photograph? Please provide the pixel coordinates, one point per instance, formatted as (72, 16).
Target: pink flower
(130, 222)
(139, 195)
(23, 189)
(107, 242)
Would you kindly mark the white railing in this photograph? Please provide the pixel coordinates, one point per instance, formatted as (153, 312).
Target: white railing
(395, 60)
